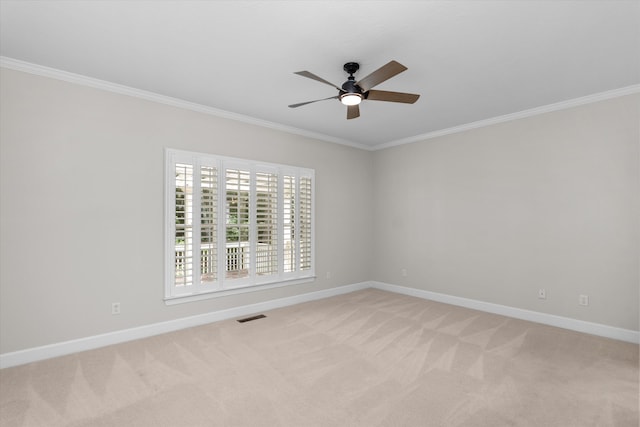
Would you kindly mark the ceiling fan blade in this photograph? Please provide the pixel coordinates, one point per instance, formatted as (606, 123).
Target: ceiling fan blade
(381, 74)
(353, 112)
(310, 102)
(383, 95)
(316, 78)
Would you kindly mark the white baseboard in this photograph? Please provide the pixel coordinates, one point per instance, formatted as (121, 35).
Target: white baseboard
(518, 313)
(89, 343)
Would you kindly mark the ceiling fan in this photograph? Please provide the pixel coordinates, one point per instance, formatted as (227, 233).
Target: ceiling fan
(353, 92)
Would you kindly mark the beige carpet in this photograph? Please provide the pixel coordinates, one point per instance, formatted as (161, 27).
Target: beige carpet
(369, 358)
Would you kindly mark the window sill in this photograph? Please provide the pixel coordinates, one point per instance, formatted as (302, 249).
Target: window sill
(180, 299)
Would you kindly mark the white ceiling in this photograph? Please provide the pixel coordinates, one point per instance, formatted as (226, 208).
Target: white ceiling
(469, 60)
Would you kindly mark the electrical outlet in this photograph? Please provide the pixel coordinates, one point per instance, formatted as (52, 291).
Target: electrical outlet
(115, 308)
(403, 272)
(542, 293)
(583, 300)
(328, 275)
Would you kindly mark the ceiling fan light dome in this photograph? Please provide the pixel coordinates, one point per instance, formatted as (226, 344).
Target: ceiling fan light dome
(351, 98)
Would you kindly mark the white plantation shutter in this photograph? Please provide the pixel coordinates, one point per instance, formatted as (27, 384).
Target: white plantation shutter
(208, 223)
(289, 224)
(192, 194)
(305, 223)
(234, 223)
(266, 223)
(238, 225)
(183, 224)
(297, 223)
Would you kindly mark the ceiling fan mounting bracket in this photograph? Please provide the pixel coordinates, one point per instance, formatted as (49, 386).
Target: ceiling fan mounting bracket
(351, 68)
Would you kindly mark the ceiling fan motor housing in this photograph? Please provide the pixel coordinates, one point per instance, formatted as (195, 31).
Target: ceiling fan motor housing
(351, 87)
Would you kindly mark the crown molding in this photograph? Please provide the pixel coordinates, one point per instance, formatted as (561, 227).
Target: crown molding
(27, 67)
(615, 93)
(54, 73)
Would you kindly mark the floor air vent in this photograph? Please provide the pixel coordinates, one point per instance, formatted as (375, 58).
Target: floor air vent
(249, 319)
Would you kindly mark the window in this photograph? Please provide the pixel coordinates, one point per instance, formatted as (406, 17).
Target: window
(233, 225)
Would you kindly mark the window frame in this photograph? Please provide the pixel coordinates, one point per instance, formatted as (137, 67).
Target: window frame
(223, 285)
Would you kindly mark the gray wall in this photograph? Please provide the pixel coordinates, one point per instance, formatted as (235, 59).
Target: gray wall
(496, 213)
(82, 207)
(491, 214)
